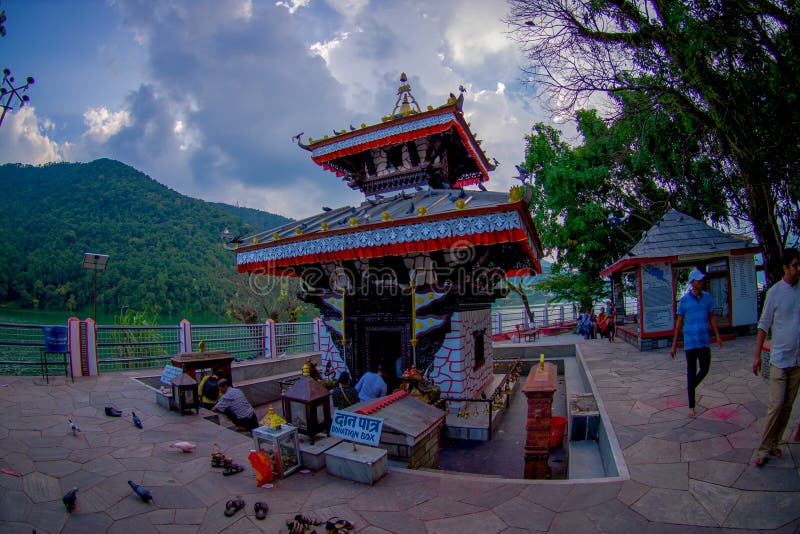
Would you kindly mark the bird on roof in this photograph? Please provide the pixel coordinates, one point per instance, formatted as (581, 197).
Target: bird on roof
(524, 174)
(463, 194)
(452, 96)
(297, 137)
(410, 209)
(481, 186)
(239, 238)
(326, 208)
(462, 89)
(352, 128)
(418, 187)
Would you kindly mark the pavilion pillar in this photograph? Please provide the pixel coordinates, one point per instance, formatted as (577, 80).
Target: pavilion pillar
(539, 389)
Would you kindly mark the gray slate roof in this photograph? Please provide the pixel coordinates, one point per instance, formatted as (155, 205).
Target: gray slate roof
(678, 234)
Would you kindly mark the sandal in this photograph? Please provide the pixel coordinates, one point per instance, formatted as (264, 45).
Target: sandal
(232, 470)
(340, 524)
(233, 506)
(760, 461)
(261, 509)
(776, 452)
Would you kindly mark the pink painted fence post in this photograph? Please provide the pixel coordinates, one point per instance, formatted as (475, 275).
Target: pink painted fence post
(270, 347)
(184, 336)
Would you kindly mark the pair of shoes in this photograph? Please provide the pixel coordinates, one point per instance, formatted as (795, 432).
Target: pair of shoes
(232, 470)
(219, 460)
(760, 461)
(261, 509)
(335, 524)
(776, 452)
(113, 412)
(233, 506)
(302, 524)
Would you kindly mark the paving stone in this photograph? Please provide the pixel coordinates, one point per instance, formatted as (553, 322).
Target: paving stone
(138, 524)
(768, 478)
(495, 496)
(165, 516)
(615, 517)
(684, 434)
(480, 523)
(519, 512)
(586, 495)
(83, 523)
(572, 522)
(653, 450)
(672, 476)
(192, 516)
(551, 496)
(376, 498)
(173, 497)
(703, 449)
(627, 436)
(630, 492)
(739, 456)
(764, 510)
(716, 471)
(48, 516)
(673, 506)
(14, 506)
(717, 500)
(442, 507)
(41, 488)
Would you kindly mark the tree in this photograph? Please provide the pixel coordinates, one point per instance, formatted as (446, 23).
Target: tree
(592, 202)
(731, 67)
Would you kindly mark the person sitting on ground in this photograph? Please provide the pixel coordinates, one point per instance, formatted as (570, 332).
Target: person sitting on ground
(209, 391)
(372, 385)
(344, 394)
(235, 407)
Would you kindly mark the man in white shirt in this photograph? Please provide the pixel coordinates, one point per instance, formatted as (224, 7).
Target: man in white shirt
(781, 313)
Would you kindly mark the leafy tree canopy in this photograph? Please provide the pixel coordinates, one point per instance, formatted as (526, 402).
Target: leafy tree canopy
(731, 69)
(166, 253)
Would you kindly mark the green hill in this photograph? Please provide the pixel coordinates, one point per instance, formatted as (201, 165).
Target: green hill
(165, 249)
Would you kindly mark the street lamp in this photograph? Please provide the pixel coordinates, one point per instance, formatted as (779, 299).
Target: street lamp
(95, 262)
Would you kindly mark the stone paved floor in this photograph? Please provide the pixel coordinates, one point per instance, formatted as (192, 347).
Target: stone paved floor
(686, 475)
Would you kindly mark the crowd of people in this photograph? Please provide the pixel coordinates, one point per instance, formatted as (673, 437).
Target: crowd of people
(603, 324)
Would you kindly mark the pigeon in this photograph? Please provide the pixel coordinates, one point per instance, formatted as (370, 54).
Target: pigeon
(297, 137)
(136, 420)
(326, 208)
(184, 446)
(141, 491)
(113, 412)
(69, 499)
(462, 89)
(481, 187)
(410, 209)
(73, 427)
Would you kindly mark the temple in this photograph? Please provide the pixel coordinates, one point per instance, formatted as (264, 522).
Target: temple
(408, 277)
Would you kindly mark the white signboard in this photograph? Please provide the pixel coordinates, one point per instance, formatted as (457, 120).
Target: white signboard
(657, 314)
(170, 372)
(744, 290)
(356, 427)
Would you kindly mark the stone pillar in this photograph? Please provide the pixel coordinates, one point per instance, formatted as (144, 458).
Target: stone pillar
(270, 340)
(539, 389)
(184, 336)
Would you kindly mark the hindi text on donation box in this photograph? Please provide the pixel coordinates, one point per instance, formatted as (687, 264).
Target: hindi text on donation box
(356, 427)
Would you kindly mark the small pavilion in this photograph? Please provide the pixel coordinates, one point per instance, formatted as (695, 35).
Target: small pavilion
(660, 262)
(407, 277)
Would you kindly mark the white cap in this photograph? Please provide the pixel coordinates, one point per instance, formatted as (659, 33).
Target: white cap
(696, 275)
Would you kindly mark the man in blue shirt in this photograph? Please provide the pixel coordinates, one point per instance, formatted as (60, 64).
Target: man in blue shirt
(371, 385)
(781, 313)
(695, 314)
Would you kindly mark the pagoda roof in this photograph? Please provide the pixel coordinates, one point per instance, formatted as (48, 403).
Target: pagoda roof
(409, 147)
(424, 221)
(677, 236)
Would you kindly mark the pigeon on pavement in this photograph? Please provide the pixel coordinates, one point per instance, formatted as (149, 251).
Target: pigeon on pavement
(141, 491)
(69, 499)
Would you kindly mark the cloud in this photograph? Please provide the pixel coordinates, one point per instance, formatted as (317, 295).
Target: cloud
(24, 138)
(103, 123)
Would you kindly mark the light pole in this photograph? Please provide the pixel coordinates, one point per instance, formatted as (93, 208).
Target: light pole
(95, 262)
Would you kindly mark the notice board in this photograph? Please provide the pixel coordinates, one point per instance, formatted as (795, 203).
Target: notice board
(657, 298)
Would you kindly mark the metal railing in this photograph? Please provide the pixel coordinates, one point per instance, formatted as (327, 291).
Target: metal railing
(242, 341)
(21, 347)
(135, 347)
(291, 338)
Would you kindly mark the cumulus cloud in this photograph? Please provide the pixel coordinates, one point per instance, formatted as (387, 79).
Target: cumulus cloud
(225, 85)
(24, 138)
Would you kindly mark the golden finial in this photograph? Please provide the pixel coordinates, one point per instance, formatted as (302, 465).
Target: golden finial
(405, 100)
(306, 369)
(201, 346)
(275, 236)
(422, 211)
(541, 362)
(324, 226)
(460, 204)
(271, 419)
(255, 241)
(353, 222)
(385, 216)
(298, 231)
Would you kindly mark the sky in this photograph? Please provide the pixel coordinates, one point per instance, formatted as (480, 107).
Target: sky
(204, 96)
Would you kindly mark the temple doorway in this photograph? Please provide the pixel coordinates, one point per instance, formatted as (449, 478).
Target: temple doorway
(384, 348)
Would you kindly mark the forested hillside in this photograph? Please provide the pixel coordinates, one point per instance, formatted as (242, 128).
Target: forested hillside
(165, 249)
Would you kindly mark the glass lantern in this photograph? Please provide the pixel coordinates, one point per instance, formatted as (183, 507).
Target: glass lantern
(281, 444)
(184, 393)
